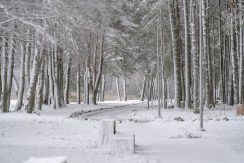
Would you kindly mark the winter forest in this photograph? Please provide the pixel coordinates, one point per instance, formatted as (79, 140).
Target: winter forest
(107, 81)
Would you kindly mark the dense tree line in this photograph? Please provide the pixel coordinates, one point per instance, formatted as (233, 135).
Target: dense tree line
(50, 47)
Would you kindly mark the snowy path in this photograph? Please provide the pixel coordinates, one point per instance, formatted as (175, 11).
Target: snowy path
(52, 133)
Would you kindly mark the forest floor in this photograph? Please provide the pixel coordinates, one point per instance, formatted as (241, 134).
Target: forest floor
(175, 138)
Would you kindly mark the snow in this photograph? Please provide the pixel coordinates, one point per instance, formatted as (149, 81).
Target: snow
(61, 159)
(52, 133)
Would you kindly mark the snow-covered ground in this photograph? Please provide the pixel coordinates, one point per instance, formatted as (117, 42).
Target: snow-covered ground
(173, 139)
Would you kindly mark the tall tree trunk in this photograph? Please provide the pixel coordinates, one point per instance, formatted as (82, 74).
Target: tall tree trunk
(67, 81)
(241, 99)
(46, 82)
(22, 79)
(124, 88)
(117, 88)
(187, 58)
(143, 88)
(5, 76)
(30, 99)
(195, 58)
(78, 84)
(56, 77)
(39, 102)
(50, 74)
(103, 88)
(233, 60)
(175, 21)
(100, 71)
(10, 68)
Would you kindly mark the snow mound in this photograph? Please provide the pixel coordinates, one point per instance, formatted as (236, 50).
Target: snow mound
(186, 135)
(61, 159)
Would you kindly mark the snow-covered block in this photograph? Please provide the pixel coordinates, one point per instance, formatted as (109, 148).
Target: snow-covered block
(123, 144)
(239, 110)
(47, 160)
(107, 130)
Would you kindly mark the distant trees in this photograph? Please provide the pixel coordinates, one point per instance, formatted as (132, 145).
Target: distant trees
(62, 47)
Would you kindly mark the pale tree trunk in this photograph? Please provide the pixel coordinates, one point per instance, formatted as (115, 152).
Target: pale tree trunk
(117, 88)
(241, 99)
(16, 85)
(30, 99)
(39, 99)
(187, 57)
(22, 79)
(159, 66)
(103, 88)
(143, 88)
(27, 64)
(124, 88)
(51, 85)
(175, 21)
(10, 68)
(67, 81)
(195, 57)
(233, 60)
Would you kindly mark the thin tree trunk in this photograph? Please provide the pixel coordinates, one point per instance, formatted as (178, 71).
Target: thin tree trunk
(124, 89)
(143, 88)
(78, 84)
(117, 88)
(67, 81)
(241, 99)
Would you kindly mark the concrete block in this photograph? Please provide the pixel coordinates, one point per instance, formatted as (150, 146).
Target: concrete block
(123, 144)
(47, 160)
(107, 130)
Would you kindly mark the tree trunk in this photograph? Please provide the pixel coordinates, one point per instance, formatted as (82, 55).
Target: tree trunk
(22, 80)
(195, 58)
(124, 89)
(67, 81)
(143, 88)
(187, 58)
(5, 76)
(30, 99)
(175, 21)
(241, 99)
(117, 88)
(40, 88)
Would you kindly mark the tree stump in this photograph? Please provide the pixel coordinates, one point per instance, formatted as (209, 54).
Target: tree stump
(239, 110)
(107, 130)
